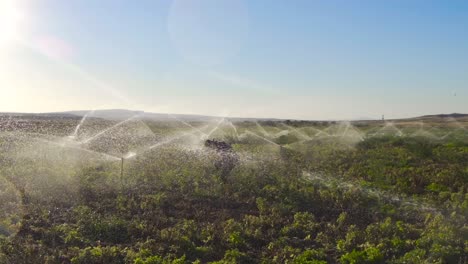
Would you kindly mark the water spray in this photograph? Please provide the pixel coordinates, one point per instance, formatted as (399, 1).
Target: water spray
(108, 129)
(265, 139)
(77, 128)
(216, 127)
(122, 168)
(298, 132)
(187, 124)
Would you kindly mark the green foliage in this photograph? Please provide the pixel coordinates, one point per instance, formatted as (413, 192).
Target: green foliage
(383, 200)
(99, 255)
(368, 255)
(311, 256)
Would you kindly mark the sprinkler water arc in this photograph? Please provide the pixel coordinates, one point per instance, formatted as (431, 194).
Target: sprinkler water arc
(122, 167)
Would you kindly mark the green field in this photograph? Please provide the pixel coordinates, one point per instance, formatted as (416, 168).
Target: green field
(150, 191)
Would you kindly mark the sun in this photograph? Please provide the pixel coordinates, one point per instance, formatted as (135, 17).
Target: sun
(10, 21)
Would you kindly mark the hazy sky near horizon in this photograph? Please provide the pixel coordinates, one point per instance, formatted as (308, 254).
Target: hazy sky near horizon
(299, 59)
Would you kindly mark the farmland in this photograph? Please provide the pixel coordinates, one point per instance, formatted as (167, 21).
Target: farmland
(87, 189)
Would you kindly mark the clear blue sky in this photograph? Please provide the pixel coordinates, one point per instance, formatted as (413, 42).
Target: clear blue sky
(299, 59)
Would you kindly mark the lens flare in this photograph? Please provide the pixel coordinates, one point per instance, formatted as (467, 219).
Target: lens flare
(11, 19)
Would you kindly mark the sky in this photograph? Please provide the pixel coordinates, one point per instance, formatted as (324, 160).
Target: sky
(301, 59)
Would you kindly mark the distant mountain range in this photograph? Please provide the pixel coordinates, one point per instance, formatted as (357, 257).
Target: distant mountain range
(454, 115)
(125, 114)
(121, 114)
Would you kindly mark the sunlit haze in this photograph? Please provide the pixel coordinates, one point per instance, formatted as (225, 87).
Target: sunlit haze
(233, 131)
(267, 58)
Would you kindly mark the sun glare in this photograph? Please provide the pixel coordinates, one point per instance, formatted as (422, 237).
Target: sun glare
(10, 21)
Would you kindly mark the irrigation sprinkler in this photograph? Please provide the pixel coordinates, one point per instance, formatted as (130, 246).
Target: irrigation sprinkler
(121, 171)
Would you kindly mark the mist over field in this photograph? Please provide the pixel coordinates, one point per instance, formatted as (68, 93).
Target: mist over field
(233, 131)
(135, 187)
